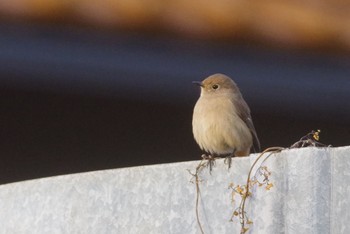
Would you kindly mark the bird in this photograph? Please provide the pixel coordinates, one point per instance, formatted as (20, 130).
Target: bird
(222, 124)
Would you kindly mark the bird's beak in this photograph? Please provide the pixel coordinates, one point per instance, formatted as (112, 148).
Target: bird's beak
(199, 83)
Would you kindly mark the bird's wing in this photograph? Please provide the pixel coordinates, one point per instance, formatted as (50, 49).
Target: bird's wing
(244, 114)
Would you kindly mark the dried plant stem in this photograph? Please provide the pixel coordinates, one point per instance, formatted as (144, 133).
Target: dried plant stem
(272, 150)
(200, 166)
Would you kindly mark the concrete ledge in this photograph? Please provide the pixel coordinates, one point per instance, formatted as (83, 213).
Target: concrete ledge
(311, 194)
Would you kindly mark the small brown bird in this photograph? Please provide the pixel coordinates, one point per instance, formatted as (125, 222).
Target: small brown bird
(222, 125)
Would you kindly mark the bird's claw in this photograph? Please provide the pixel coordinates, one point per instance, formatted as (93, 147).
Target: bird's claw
(228, 160)
(211, 161)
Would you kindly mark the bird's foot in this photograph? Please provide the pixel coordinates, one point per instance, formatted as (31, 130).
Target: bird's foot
(211, 161)
(228, 160)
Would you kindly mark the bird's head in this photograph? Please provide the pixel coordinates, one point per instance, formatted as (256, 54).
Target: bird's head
(217, 84)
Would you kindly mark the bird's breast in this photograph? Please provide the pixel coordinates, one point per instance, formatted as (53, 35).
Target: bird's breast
(217, 128)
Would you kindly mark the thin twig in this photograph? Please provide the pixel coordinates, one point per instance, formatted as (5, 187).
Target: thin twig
(200, 166)
(311, 139)
(274, 150)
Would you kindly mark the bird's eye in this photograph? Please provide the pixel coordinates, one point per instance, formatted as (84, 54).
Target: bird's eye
(215, 86)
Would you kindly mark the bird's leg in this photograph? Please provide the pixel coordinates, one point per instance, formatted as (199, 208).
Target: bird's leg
(228, 159)
(211, 161)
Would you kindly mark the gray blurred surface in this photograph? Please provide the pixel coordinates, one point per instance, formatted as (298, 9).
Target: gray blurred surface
(74, 99)
(310, 194)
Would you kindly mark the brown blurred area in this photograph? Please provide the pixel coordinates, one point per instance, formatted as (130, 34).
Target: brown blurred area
(312, 24)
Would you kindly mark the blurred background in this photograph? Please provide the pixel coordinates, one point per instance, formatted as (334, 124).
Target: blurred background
(89, 85)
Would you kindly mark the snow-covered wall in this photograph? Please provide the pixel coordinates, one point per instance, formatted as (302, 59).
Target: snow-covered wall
(310, 194)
